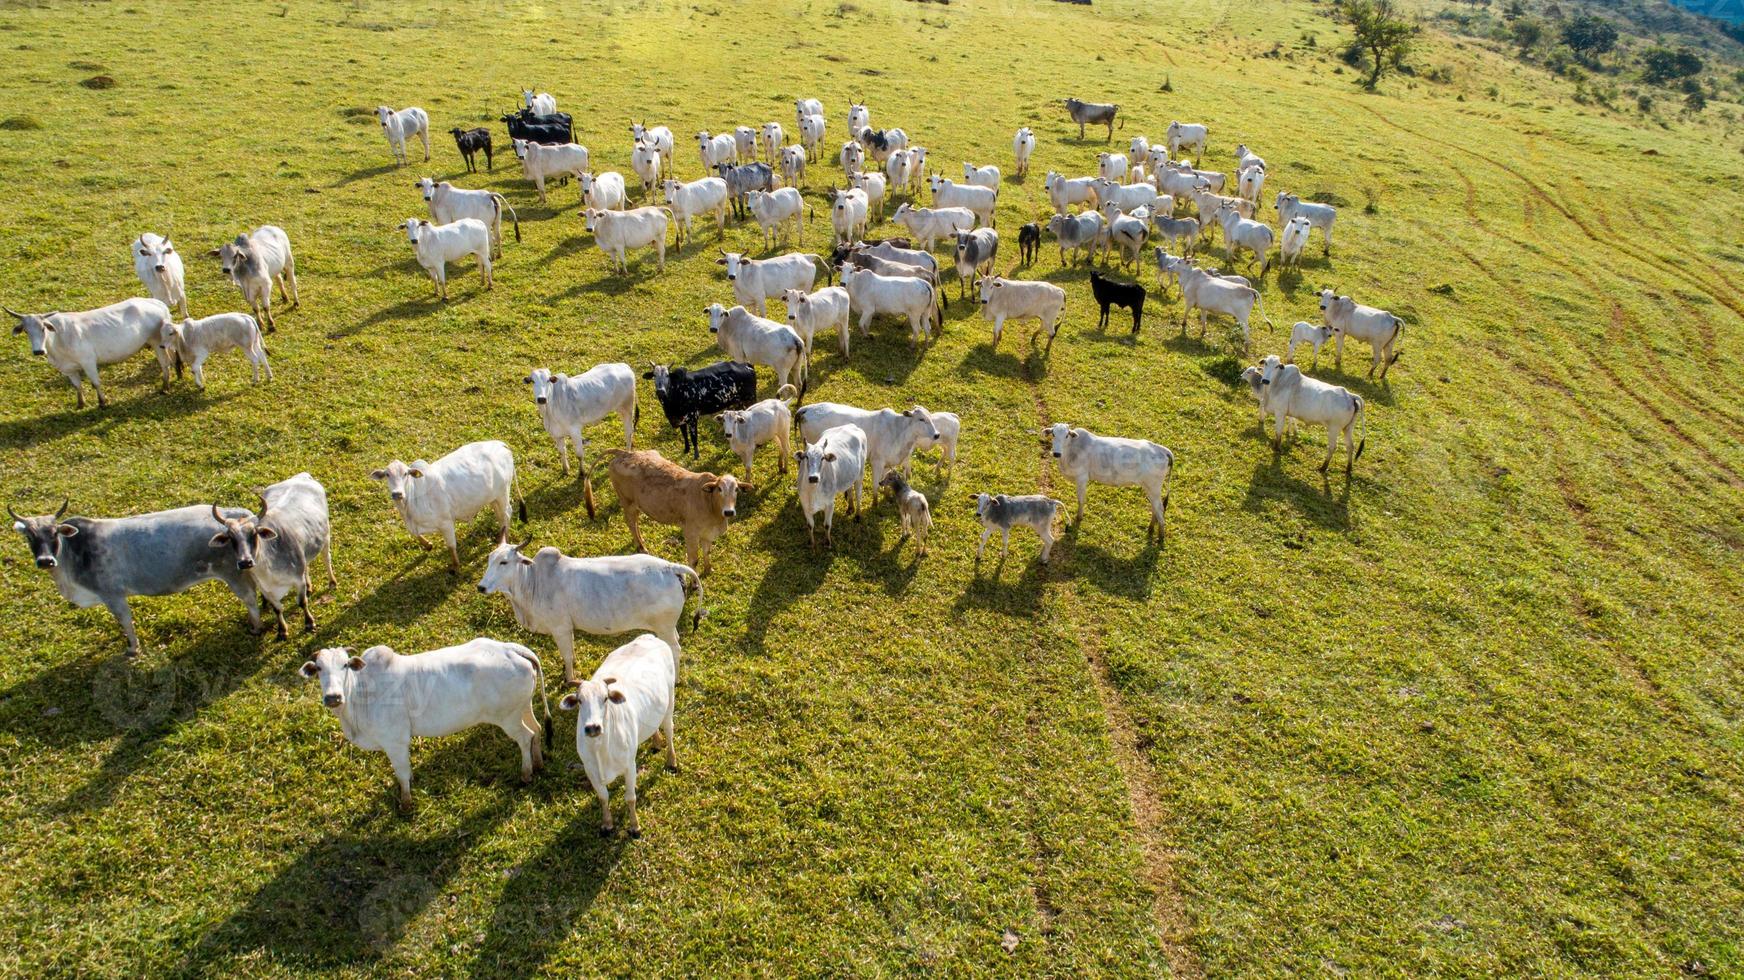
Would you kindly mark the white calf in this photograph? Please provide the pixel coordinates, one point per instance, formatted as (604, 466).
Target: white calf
(627, 700)
(1303, 332)
(603, 191)
(569, 404)
(828, 469)
(195, 340)
(688, 200)
(539, 161)
(848, 214)
(645, 161)
(1320, 216)
(399, 126)
(987, 176)
(1112, 166)
(873, 185)
(773, 210)
(926, 225)
(438, 245)
(1064, 192)
(1022, 148)
(980, 200)
(769, 420)
(1295, 239)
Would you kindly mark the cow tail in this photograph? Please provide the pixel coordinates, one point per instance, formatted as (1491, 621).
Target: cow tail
(520, 501)
(1260, 302)
(542, 694)
(691, 582)
(1398, 328)
(503, 205)
(1362, 418)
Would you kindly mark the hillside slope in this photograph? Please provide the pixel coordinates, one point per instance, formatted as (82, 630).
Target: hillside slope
(1474, 708)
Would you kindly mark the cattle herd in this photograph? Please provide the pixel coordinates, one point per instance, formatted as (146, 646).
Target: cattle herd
(382, 699)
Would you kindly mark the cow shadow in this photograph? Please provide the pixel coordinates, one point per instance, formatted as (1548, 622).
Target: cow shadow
(153, 406)
(798, 575)
(989, 588)
(1315, 500)
(359, 889)
(368, 172)
(419, 586)
(1129, 577)
(406, 309)
(572, 245)
(1373, 392)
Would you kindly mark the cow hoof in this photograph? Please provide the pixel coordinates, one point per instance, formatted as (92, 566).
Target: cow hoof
(635, 835)
(283, 635)
(672, 767)
(605, 833)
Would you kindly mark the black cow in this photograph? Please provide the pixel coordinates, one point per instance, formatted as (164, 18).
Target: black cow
(1108, 292)
(686, 395)
(556, 127)
(1029, 242)
(470, 142)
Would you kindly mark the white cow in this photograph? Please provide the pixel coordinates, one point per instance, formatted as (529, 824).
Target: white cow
(1139, 148)
(769, 420)
(745, 336)
(807, 107)
(793, 160)
(400, 126)
(1290, 394)
(1005, 299)
(82, 342)
(438, 245)
(604, 191)
(828, 469)
(645, 162)
(615, 232)
(1242, 233)
(1064, 192)
(434, 497)
(774, 209)
(927, 225)
(1206, 292)
(1181, 184)
(541, 160)
(859, 117)
(826, 309)
(852, 157)
(1085, 458)
(897, 168)
(1210, 204)
(1250, 184)
(1377, 327)
(873, 185)
(539, 103)
(253, 262)
(848, 214)
(872, 294)
(1245, 158)
(383, 700)
(950, 426)
(159, 267)
(1320, 216)
(987, 176)
(981, 200)
(449, 203)
(696, 197)
(1126, 232)
(1084, 232)
(811, 131)
(559, 596)
(1184, 135)
(772, 136)
(1294, 240)
(658, 137)
(744, 144)
(891, 436)
(1303, 332)
(716, 150)
(1022, 148)
(569, 404)
(756, 281)
(629, 698)
(193, 341)
(1112, 166)
(1130, 197)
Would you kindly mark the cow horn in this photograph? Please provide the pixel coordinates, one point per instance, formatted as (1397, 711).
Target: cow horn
(217, 516)
(9, 309)
(65, 503)
(523, 545)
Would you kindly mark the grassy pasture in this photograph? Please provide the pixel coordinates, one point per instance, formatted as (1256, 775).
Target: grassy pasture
(1473, 709)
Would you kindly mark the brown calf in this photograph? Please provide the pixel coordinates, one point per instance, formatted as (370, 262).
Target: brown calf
(701, 504)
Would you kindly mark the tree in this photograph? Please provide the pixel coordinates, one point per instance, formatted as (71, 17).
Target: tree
(1661, 65)
(1528, 31)
(1587, 35)
(1695, 102)
(1381, 33)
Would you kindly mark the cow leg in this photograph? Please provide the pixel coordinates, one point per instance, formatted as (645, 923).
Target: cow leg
(1046, 532)
(425, 134)
(1004, 543)
(303, 602)
(1083, 484)
(604, 793)
(565, 640)
(504, 510)
(986, 532)
(278, 609)
(562, 444)
(671, 747)
(586, 489)
(453, 549)
(1332, 432)
(124, 618)
(632, 517)
(632, 826)
(199, 368)
(1338, 350)
(244, 591)
(399, 754)
(524, 738)
(1155, 496)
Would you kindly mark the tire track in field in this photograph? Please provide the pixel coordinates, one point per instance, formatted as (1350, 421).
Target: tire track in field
(1725, 294)
(1149, 814)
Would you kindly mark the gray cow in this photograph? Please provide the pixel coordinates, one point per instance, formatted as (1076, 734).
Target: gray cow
(97, 562)
(741, 181)
(1093, 113)
(276, 548)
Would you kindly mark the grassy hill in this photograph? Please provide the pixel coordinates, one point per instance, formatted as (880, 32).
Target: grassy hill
(1475, 708)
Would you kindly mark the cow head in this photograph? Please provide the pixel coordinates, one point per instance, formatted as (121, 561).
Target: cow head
(245, 536)
(155, 251)
(520, 149)
(591, 218)
(504, 563)
(717, 314)
(383, 113)
(544, 384)
(724, 491)
(426, 186)
(589, 701)
(988, 285)
(44, 534)
(1270, 367)
(661, 375)
(929, 432)
(733, 422)
(1059, 436)
(811, 462)
(984, 503)
(35, 326)
(234, 256)
(415, 228)
(400, 478)
(334, 666)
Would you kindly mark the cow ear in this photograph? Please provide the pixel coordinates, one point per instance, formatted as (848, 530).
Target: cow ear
(355, 663)
(569, 702)
(220, 540)
(213, 253)
(66, 530)
(647, 375)
(798, 455)
(529, 379)
(747, 486)
(378, 474)
(713, 486)
(720, 262)
(525, 560)
(309, 669)
(615, 696)
(829, 457)
(265, 533)
(416, 472)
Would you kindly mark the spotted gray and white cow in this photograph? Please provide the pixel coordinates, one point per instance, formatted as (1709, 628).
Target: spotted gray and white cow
(101, 562)
(254, 261)
(277, 546)
(999, 512)
(568, 404)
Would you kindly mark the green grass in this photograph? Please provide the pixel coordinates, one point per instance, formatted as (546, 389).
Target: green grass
(1474, 709)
